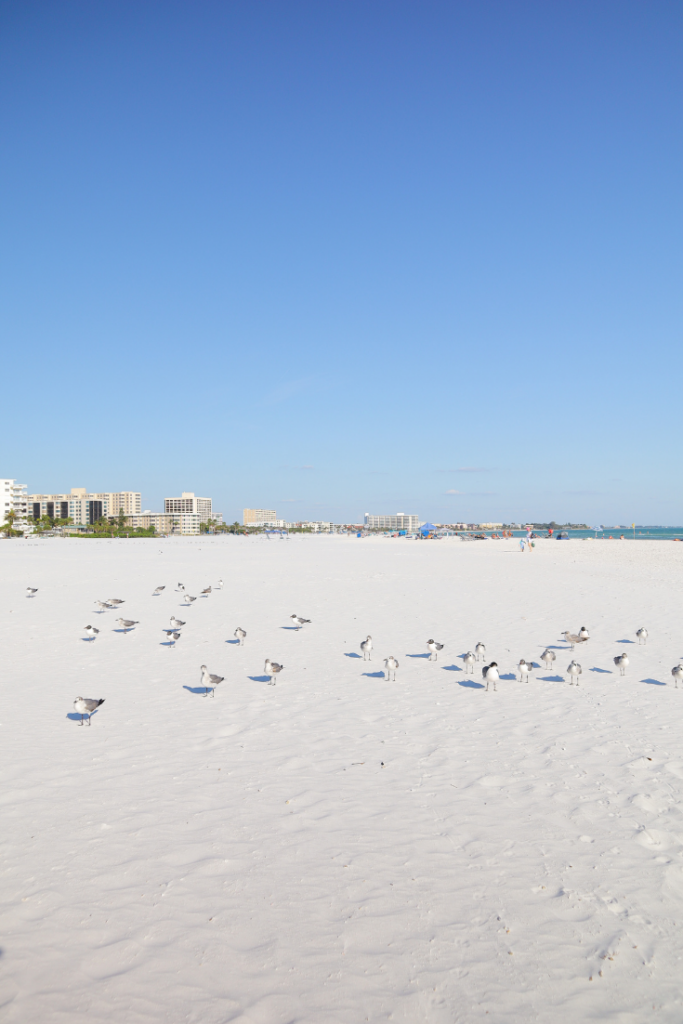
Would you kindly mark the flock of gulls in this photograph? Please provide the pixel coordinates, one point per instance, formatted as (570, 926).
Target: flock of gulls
(85, 706)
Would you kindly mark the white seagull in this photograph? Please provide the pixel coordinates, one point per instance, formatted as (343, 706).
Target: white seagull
(491, 674)
(677, 673)
(642, 635)
(572, 638)
(115, 600)
(548, 657)
(366, 647)
(525, 669)
(172, 637)
(240, 634)
(468, 661)
(480, 651)
(176, 623)
(181, 587)
(390, 665)
(31, 591)
(574, 670)
(127, 624)
(219, 585)
(86, 706)
(157, 591)
(434, 649)
(298, 621)
(91, 631)
(188, 599)
(621, 661)
(583, 633)
(271, 669)
(210, 681)
(103, 606)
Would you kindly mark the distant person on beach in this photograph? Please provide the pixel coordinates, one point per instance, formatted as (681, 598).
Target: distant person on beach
(522, 543)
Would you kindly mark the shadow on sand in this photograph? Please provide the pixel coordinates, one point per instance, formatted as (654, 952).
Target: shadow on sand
(451, 668)
(352, 655)
(550, 679)
(73, 716)
(470, 684)
(374, 675)
(602, 671)
(259, 679)
(417, 655)
(653, 682)
(195, 689)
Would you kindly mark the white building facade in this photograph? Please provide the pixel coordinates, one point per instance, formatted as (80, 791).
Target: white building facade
(84, 508)
(13, 498)
(165, 523)
(259, 517)
(189, 503)
(398, 522)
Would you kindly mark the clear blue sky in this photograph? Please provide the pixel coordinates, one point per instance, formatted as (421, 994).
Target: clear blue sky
(338, 257)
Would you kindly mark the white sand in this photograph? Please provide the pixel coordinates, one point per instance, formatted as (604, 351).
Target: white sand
(248, 859)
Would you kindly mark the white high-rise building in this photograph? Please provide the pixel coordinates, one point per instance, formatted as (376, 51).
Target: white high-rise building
(13, 499)
(83, 508)
(189, 504)
(259, 517)
(398, 522)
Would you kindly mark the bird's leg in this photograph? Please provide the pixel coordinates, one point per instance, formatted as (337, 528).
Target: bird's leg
(89, 720)
(81, 721)
(206, 690)
(213, 693)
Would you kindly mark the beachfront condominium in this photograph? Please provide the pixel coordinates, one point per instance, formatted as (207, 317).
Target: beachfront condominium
(259, 517)
(189, 504)
(84, 508)
(13, 499)
(398, 522)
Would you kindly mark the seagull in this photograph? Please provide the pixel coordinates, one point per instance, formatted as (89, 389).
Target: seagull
(468, 661)
(583, 633)
(172, 637)
(157, 591)
(271, 669)
(525, 668)
(621, 661)
(480, 651)
(366, 647)
(548, 657)
(572, 638)
(574, 669)
(31, 591)
(677, 673)
(91, 631)
(115, 600)
(104, 606)
(491, 674)
(86, 706)
(210, 681)
(298, 622)
(642, 635)
(176, 623)
(434, 648)
(219, 585)
(127, 624)
(189, 599)
(390, 665)
(205, 593)
(240, 634)
(181, 587)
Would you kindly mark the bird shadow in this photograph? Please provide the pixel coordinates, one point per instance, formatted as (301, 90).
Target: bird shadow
(451, 668)
(653, 682)
(295, 628)
(259, 679)
(195, 689)
(232, 642)
(73, 716)
(88, 639)
(374, 675)
(470, 684)
(352, 654)
(624, 641)
(550, 679)
(417, 656)
(509, 675)
(166, 643)
(555, 647)
(122, 631)
(602, 671)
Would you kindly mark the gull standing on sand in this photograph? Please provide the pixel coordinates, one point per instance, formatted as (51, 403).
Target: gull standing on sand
(188, 599)
(480, 651)
(219, 585)
(525, 668)
(31, 591)
(91, 631)
(205, 593)
(115, 600)
(572, 638)
(127, 624)
(176, 623)
(574, 670)
(642, 635)
(86, 706)
(157, 591)
(172, 638)
(103, 606)
(210, 681)
(240, 634)
(548, 657)
(271, 669)
(621, 661)
(468, 661)
(490, 674)
(181, 588)
(434, 649)
(390, 665)
(298, 621)
(366, 647)
(677, 673)
(583, 633)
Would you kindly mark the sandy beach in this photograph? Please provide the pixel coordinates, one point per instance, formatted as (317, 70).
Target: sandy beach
(337, 848)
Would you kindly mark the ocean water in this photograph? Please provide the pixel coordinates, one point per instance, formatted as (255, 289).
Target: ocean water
(615, 532)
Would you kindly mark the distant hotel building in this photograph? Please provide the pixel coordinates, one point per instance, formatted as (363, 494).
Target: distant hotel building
(259, 517)
(189, 504)
(397, 522)
(13, 499)
(83, 508)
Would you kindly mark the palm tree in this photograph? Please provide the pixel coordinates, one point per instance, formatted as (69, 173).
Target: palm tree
(8, 525)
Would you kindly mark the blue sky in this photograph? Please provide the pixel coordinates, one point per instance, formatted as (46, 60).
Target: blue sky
(338, 257)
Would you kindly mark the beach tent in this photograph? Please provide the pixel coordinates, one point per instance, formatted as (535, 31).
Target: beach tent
(428, 528)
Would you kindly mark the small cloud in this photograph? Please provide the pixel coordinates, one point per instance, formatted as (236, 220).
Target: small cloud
(470, 469)
(455, 492)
